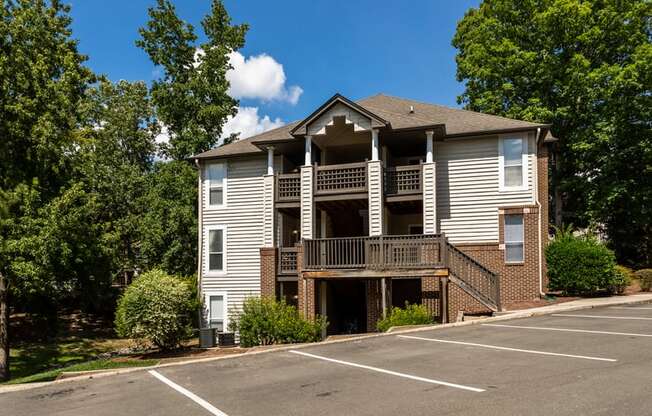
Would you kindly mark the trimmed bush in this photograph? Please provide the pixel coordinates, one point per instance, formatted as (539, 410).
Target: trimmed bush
(412, 314)
(580, 265)
(644, 277)
(156, 308)
(622, 279)
(265, 321)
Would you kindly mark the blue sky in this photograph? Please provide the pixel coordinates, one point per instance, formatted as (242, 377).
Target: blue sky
(356, 48)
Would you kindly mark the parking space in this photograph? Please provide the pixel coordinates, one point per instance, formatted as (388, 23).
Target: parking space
(596, 361)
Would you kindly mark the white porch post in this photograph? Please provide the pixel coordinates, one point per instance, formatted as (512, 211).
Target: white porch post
(307, 199)
(270, 160)
(268, 201)
(429, 187)
(375, 187)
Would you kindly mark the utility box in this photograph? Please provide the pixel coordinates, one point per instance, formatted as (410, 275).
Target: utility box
(207, 338)
(226, 339)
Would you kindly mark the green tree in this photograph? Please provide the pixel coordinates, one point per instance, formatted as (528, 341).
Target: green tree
(585, 67)
(191, 97)
(168, 225)
(115, 161)
(42, 85)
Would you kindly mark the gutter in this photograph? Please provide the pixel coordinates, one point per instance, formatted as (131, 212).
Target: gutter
(538, 204)
(200, 232)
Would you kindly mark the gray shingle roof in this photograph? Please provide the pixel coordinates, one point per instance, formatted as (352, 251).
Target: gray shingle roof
(397, 112)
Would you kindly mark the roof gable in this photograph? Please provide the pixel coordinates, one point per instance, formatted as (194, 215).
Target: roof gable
(338, 106)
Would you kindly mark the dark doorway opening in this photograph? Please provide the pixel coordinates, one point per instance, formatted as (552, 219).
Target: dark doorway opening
(406, 290)
(346, 307)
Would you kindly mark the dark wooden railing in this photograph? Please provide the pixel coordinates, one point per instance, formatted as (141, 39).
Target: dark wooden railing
(374, 253)
(473, 277)
(287, 261)
(288, 187)
(401, 180)
(346, 178)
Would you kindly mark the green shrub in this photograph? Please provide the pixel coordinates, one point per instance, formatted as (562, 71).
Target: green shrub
(410, 315)
(645, 279)
(265, 321)
(622, 279)
(580, 265)
(157, 308)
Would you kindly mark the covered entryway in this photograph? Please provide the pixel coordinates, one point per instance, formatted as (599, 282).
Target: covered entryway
(345, 305)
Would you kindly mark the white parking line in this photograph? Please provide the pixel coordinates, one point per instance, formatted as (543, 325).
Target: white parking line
(192, 396)
(393, 373)
(630, 308)
(635, 318)
(583, 331)
(495, 347)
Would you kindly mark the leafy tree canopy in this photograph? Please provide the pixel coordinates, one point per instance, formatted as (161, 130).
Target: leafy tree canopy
(585, 67)
(191, 97)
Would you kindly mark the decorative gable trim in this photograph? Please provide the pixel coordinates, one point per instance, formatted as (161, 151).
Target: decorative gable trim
(338, 105)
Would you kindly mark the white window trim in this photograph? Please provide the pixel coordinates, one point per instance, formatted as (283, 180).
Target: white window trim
(207, 186)
(225, 248)
(506, 243)
(501, 163)
(207, 306)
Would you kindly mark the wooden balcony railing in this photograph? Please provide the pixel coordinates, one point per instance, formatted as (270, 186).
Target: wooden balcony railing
(287, 261)
(402, 180)
(288, 187)
(374, 253)
(346, 178)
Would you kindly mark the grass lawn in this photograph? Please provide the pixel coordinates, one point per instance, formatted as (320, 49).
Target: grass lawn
(87, 366)
(37, 361)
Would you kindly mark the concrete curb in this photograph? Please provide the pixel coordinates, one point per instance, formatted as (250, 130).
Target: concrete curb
(545, 310)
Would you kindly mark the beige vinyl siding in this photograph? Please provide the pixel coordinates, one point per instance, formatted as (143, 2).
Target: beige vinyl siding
(468, 195)
(243, 218)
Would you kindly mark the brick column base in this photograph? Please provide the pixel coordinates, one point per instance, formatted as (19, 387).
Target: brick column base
(268, 272)
(374, 305)
(430, 294)
(306, 295)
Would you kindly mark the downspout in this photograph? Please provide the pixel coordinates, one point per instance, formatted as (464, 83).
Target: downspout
(538, 204)
(200, 234)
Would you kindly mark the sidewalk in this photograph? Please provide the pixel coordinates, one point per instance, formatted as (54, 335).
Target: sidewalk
(587, 303)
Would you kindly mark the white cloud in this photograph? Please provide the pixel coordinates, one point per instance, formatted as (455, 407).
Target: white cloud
(163, 137)
(260, 77)
(248, 123)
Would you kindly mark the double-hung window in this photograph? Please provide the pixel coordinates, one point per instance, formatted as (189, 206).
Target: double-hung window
(216, 175)
(514, 236)
(216, 244)
(216, 311)
(513, 164)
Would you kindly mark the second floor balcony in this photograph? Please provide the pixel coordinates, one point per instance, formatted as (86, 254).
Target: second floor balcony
(351, 179)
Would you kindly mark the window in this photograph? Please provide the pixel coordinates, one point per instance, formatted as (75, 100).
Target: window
(216, 174)
(513, 165)
(216, 249)
(216, 315)
(514, 238)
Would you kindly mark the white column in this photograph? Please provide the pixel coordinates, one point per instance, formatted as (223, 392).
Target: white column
(270, 160)
(429, 146)
(374, 145)
(307, 202)
(308, 151)
(268, 211)
(375, 187)
(429, 188)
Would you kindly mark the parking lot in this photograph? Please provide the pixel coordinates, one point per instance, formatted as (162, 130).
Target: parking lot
(589, 362)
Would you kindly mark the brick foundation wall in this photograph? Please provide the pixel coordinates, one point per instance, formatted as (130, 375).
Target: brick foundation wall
(518, 282)
(268, 272)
